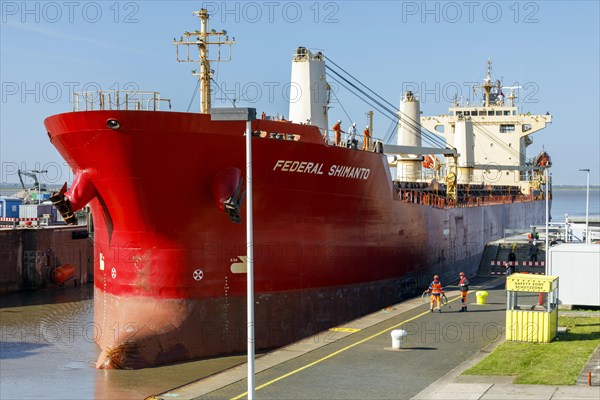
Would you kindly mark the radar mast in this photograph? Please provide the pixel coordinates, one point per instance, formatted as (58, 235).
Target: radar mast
(487, 85)
(201, 39)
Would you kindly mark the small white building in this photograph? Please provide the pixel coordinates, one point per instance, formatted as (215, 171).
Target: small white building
(578, 267)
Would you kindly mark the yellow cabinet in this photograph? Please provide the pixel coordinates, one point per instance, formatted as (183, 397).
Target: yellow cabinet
(532, 308)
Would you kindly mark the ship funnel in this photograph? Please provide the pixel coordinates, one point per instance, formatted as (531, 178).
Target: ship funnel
(464, 143)
(409, 134)
(309, 91)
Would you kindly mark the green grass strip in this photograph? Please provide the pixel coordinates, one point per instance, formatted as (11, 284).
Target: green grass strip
(555, 363)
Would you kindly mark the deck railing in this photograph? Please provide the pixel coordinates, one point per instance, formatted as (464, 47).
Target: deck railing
(118, 100)
(438, 201)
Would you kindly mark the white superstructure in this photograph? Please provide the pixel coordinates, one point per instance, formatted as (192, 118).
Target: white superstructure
(491, 138)
(309, 91)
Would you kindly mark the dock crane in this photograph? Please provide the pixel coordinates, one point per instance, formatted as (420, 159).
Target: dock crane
(25, 194)
(32, 174)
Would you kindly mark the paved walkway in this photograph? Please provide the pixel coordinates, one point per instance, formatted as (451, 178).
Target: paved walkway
(357, 361)
(500, 388)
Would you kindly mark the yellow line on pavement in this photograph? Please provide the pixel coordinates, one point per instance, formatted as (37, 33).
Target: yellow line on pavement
(336, 353)
(341, 329)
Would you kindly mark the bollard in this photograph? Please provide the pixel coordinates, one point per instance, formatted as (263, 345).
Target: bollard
(398, 337)
(481, 296)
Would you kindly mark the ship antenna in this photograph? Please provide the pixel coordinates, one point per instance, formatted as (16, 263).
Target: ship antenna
(201, 39)
(487, 85)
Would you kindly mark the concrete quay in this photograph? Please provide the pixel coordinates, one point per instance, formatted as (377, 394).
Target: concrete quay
(356, 360)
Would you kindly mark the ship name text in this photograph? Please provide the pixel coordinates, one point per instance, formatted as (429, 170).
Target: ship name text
(306, 167)
(346, 171)
(299, 166)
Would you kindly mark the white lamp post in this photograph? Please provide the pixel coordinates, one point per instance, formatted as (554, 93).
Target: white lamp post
(587, 206)
(248, 115)
(250, 259)
(547, 184)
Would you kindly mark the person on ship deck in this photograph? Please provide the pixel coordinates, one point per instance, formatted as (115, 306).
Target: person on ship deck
(337, 131)
(352, 132)
(366, 138)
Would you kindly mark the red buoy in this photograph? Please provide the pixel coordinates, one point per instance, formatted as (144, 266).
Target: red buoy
(62, 274)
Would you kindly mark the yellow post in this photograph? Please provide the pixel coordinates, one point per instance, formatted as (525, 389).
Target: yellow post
(481, 295)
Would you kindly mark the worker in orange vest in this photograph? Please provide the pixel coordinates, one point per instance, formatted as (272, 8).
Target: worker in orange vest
(366, 138)
(436, 289)
(463, 285)
(337, 130)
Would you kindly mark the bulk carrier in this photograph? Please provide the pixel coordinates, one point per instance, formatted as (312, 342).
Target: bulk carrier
(339, 231)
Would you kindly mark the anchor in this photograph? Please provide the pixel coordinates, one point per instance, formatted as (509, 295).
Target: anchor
(233, 203)
(63, 205)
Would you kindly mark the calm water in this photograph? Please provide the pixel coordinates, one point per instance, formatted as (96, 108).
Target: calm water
(572, 202)
(47, 349)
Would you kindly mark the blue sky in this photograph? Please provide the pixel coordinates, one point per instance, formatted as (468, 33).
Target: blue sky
(49, 49)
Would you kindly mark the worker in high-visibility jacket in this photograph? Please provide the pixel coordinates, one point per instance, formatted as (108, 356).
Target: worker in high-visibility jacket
(463, 285)
(437, 290)
(337, 132)
(366, 139)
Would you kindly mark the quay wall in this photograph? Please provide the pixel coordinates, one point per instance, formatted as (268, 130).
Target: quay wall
(28, 256)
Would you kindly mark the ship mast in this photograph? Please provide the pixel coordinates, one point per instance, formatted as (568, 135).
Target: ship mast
(487, 85)
(201, 39)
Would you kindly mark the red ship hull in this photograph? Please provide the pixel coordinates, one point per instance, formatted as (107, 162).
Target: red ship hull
(333, 241)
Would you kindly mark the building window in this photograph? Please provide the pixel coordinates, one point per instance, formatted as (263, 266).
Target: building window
(505, 128)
